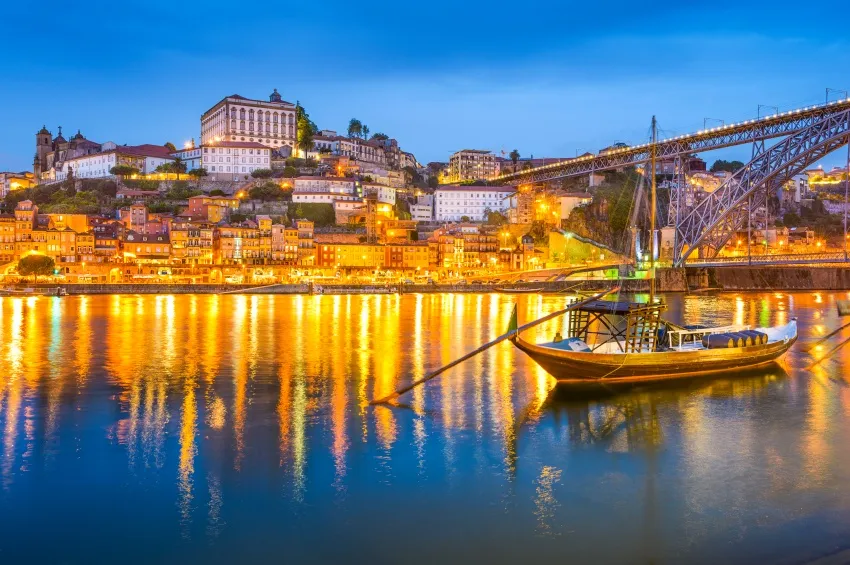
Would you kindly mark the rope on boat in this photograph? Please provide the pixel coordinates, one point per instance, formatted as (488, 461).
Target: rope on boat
(389, 398)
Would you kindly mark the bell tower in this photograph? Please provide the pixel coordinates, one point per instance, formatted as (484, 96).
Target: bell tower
(43, 146)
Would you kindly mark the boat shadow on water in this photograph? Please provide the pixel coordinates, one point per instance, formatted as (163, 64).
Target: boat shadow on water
(605, 415)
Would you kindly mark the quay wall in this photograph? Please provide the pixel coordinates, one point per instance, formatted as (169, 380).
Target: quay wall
(772, 278)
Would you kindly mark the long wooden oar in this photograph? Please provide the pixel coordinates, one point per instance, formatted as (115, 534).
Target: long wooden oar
(511, 333)
(829, 353)
(826, 337)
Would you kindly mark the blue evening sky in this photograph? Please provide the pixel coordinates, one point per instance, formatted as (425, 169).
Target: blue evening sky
(548, 78)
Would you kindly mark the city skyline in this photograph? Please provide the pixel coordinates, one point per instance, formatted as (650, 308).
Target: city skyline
(154, 87)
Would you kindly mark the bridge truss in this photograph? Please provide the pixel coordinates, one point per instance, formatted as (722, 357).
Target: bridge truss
(712, 221)
(809, 134)
(747, 132)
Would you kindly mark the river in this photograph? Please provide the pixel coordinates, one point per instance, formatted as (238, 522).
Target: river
(225, 429)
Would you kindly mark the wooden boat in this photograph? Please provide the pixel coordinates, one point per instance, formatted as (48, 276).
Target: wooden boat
(507, 290)
(620, 342)
(58, 291)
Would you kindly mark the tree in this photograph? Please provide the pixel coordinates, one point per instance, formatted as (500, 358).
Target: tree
(266, 192)
(514, 158)
(380, 136)
(465, 218)
(365, 132)
(527, 165)
(36, 265)
(216, 192)
(368, 178)
(170, 146)
(355, 128)
(237, 218)
(728, 166)
(198, 173)
(178, 166)
(306, 129)
(433, 181)
(123, 171)
(290, 172)
(262, 173)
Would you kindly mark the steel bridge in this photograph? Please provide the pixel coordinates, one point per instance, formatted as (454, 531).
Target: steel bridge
(808, 135)
(772, 260)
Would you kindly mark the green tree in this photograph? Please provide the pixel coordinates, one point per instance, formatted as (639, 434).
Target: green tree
(306, 129)
(321, 214)
(514, 158)
(433, 181)
(791, 219)
(355, 128)
(237, 218)
(527, 165)
(123, 171)
(465, 218)
(262, 173)
(170, 146)
(728, 166)
(380, 136)
(216, 192)
(36, 265)
(198, 173)
(266, 192)
(365, 132)
(178, 166)
(290, 172)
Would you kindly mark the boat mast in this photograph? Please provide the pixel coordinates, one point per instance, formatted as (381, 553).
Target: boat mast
(652, 207)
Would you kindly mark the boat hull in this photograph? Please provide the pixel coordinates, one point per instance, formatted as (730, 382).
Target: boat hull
(586, 368)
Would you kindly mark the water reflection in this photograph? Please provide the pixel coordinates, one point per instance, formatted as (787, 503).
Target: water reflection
(216, 411)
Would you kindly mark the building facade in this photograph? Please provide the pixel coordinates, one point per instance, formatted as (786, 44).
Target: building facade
(271, 123)
(472, 164)
(453, 203)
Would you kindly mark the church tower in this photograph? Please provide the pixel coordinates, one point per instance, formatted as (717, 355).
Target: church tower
(43, 146)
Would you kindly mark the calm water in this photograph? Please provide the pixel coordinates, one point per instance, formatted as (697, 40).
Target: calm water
(224, 429)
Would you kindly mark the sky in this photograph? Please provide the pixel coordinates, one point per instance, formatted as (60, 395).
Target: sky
(548, 78)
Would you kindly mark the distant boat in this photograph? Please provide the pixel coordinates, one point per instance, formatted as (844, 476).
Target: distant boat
(58, 291)
(617, 342)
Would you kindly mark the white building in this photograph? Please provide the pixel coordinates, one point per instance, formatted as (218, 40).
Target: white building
(145, 158)
(423, 210)
(234, 160)
(236, 118)
(451, 203)
(383, 193)
(313, 197)
(191, 156)
(331, 185)
(226, 160)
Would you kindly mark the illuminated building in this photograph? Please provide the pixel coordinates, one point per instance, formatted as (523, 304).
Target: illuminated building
(236, 118)
(452, 203)
(146, 158)
(144, 248)
(233, 160)
(51, 154)
(15, 181)
(472, 164)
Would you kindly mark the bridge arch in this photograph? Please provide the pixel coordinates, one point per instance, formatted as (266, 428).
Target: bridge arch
(715, 219)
